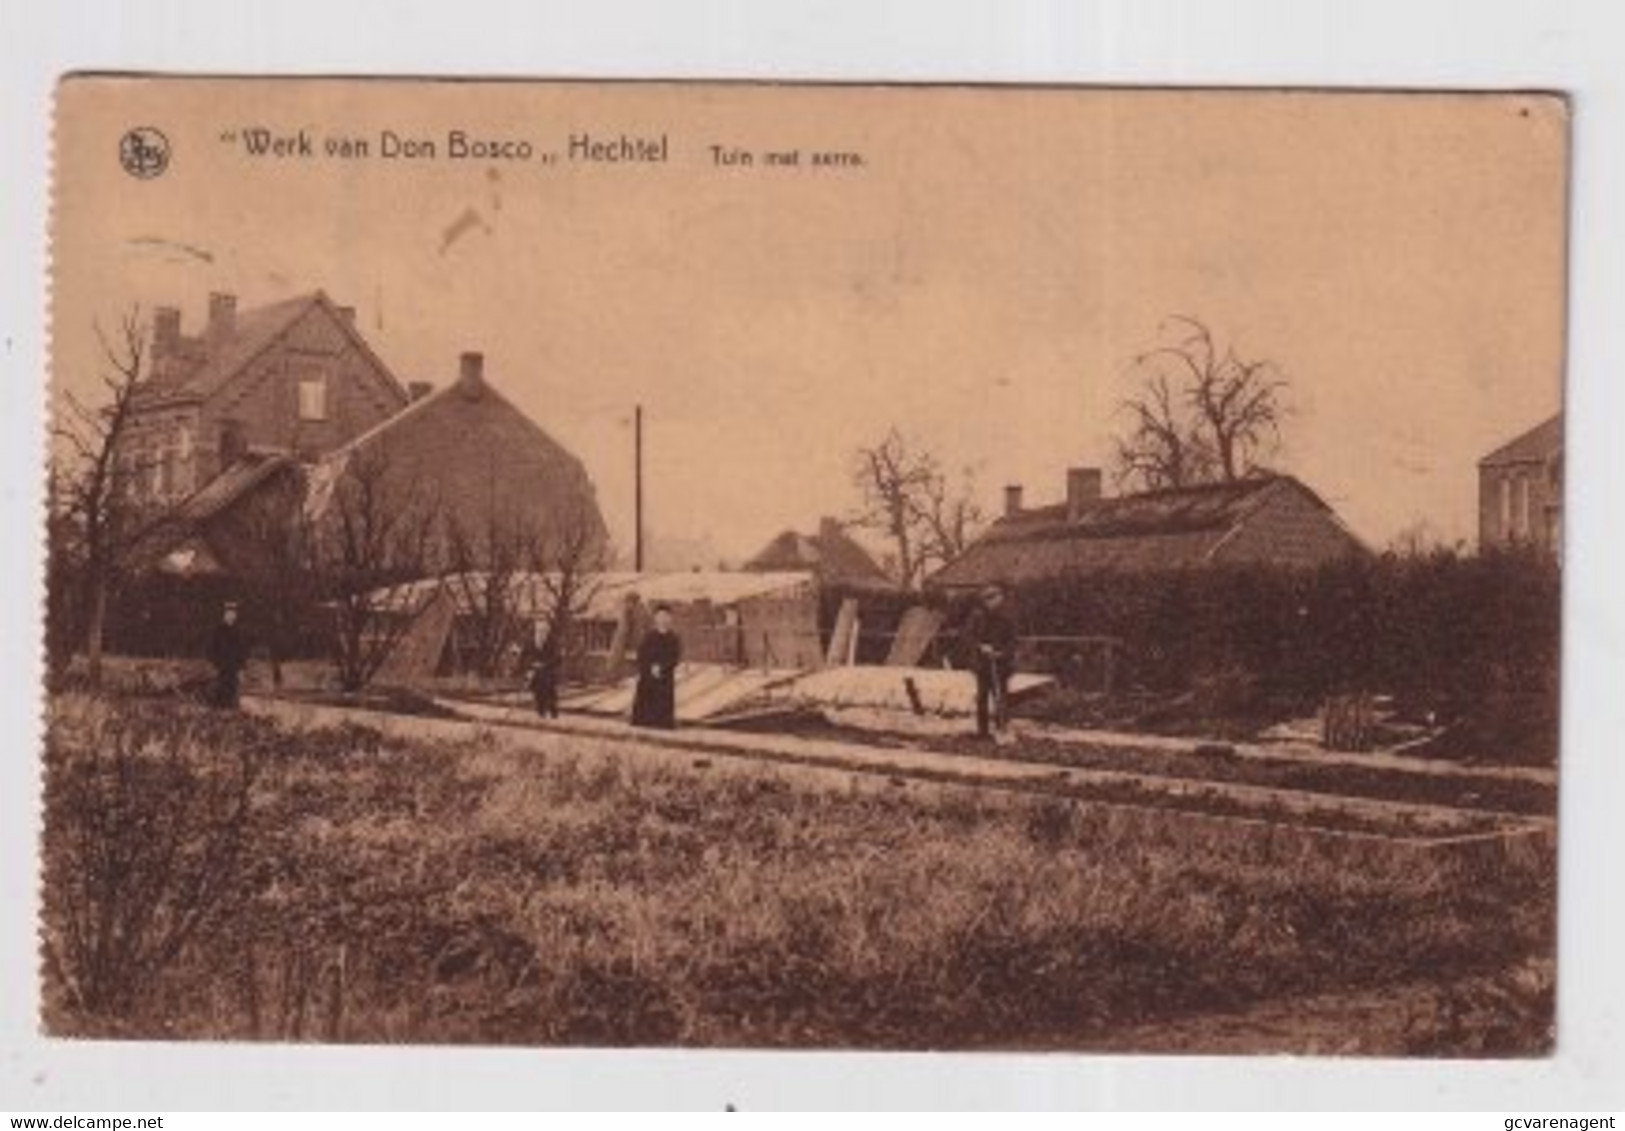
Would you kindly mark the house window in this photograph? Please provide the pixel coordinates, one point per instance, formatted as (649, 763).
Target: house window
(1506, 508)
(166, 473)
(1526, 517)
(151, 467)
(132, 480)
(184, 469)
(313, 398)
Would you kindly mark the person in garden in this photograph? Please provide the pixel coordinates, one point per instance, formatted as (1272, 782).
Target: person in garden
(544, 673)
(990, 636)
(655, 702)
(228, 654)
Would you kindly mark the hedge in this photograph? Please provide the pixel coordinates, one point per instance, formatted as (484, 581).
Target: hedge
(1436, 630)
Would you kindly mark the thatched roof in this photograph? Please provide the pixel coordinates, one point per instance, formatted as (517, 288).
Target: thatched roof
(1155, 530)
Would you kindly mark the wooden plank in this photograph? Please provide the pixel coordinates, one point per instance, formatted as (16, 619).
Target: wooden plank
(728, 694)
(845, 637)
(914, 635)
(416, 655)
(781, 632)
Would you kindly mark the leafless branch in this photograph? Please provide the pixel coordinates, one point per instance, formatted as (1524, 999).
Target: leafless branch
(907, 498)
(1200, 414)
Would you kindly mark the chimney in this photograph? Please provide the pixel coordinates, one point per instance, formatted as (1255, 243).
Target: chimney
(1082, 490)
(830, 528)
(417, 390)
(222, 316)
(166, 333)
(1012, 500)
(471, 375)
(348, 314)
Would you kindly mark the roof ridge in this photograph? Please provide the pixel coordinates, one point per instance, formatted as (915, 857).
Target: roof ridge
(295, 307)
(414, 408)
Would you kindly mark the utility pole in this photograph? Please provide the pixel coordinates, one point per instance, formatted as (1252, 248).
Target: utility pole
(637, 490)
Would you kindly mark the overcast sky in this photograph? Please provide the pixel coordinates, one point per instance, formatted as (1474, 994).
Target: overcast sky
(982, 280)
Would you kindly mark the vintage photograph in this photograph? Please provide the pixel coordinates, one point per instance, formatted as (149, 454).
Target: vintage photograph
(770, 565)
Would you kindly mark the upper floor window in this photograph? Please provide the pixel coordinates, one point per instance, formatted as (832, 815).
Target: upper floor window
(167, 482)
(313, 398)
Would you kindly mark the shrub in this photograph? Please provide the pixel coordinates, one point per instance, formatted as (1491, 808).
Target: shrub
(146, 817)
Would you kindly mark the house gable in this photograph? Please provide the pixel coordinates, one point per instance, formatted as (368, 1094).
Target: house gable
(1520, 490)
(264, 402)
(470, 455)
(831, 553)
(1286, 526)
(1537, 445)
(237, 385)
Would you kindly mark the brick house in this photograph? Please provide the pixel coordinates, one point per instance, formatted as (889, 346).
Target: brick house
(261, 415)
(1520, 491)
(485, 470)
(1274, 520)
(294, 377)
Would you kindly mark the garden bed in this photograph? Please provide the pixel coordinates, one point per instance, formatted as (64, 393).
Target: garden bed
(1244, 806)
(1457, 790)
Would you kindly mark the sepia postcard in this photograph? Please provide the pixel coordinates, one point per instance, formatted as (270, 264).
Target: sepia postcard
(772, 565)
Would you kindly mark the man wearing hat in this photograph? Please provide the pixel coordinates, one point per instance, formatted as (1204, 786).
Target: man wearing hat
(228, 652)
(990, 635)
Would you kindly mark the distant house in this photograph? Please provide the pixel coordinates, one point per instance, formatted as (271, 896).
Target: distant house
(1520, 491)
(831, 555)
(294, 377)
(1268, 519)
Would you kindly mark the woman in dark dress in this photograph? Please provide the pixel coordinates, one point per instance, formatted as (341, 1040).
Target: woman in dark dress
(655, 703)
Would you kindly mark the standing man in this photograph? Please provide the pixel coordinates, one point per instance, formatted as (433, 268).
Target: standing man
(655, 702)
(991, 636)
(544, 673)
(228, 652)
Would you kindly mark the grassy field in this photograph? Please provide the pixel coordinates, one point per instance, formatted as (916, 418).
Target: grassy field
(209, 876)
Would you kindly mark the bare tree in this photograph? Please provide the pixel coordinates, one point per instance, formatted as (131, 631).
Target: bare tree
(484, 566)
(1202, 415)
(105, 525)
(951, 518)
(369, 540)
(272, 565)
(64, 596)
(908, 498)
(568, 557)
(508, 565)
(1162, 447)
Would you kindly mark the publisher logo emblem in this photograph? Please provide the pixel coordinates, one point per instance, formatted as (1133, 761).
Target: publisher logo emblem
(144, 152)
